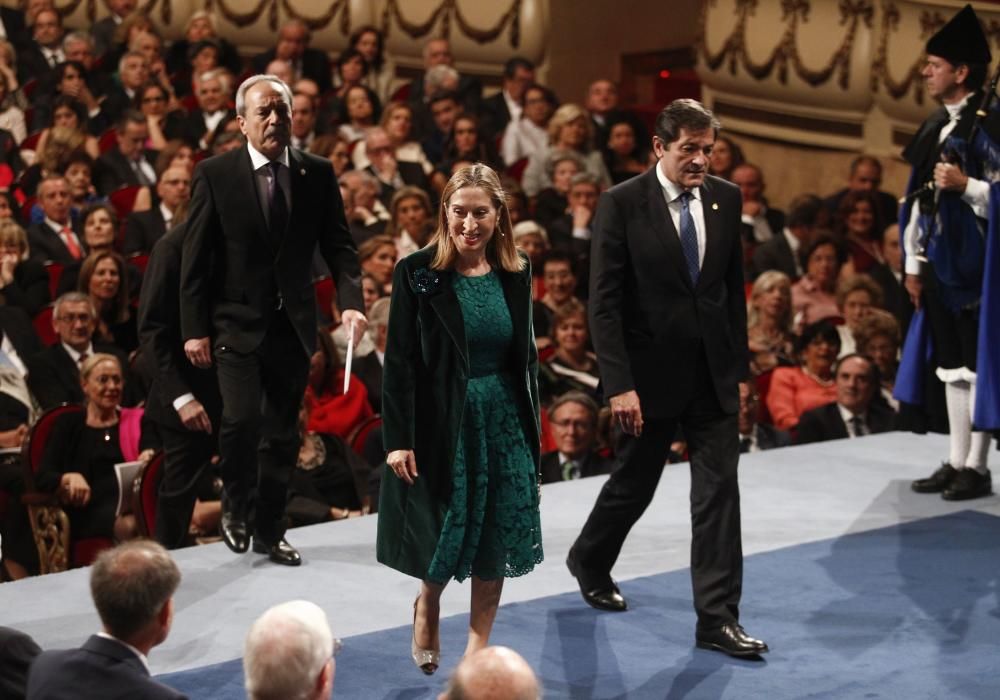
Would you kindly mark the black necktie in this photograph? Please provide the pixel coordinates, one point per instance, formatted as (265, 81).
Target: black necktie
(857, 426)
(746, 442)
(277, 206)
(689, 237)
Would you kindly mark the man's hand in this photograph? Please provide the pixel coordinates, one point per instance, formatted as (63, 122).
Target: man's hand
(193, 416)
(625, 408)
(403, 463)
(913, 287)
(356, 319)
(948, 176)
(581, 216)
(199, 352)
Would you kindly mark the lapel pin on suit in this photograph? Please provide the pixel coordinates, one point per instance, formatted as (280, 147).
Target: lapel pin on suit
(302, 171)
(715, 206)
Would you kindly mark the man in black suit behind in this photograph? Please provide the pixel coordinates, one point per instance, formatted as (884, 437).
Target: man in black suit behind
(133, 588)
(573, 417)
(668, 315)
(183, 400)
(256, 217)
(858, 410)
(144, 228)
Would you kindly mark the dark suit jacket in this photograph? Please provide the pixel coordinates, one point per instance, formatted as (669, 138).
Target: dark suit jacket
(369, 370)
(895, 298)
(101, 668)
(54, 378)
(45, 244)
(648, 322)
(192, 128)
(774, 254)
(114, 171)
(410, 173)
(825, 423)
(142, 230)
(496, 116)
(17, 651)
(16, 325)
(315, 65)
(233, 275)
(593, 464)
(103, 32)
(30, 288)
(32, 64)
(13, 22)
(769, 437)
(160, 334)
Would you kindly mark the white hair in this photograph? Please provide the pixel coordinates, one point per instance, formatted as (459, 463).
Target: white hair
(241, 91)
(286, 650)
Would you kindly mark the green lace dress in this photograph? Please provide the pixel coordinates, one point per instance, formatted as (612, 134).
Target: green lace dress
(491, 529)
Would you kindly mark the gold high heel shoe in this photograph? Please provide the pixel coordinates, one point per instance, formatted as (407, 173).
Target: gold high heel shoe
(426, 659)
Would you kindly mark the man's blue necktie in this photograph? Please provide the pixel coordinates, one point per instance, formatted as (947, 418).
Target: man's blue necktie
(689, 237)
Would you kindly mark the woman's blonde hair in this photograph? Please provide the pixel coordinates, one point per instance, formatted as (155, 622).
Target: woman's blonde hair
(767, 281)
(500, 249)
(564, 115)
(12, 232)
(88, 365)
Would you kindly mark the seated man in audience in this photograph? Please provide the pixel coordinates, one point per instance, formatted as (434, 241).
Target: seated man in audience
(866, 176)
(293, 47)
(289, 654)
(133, 588)
(144, 228)
(391, 174)
(303, 120)
(17, 652)
(444, 108)
(133, 73)
(781, 253)
(506, 106)
(574, 425)
(129, 163)
(571, 231)
(205, 123)
(889, 276)
(529, 135)
(602, 104)
(366, 215)
(54, 373)
(762, 223)
(559, 275)
(54, 238)
(79, 47)
(493, 673)
(756, 436)
(858, 410)
(103, 30)
(437, 52)
(37, 58)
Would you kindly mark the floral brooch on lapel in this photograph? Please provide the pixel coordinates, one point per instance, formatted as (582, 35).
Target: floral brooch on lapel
(426, 280)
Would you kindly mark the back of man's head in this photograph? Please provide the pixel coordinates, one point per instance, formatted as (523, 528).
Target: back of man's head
(493, 673)
(289, 654)
(132, 585)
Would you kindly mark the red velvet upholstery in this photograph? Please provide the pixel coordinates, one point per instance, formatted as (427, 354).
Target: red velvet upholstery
(144, 496)
(360, 433)
(42, 323)
(55, 271)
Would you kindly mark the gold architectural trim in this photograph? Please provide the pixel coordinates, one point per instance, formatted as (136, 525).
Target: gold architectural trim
(166, 8)
(271, 7)
(445, 12)
(783, 119)
(786, 53)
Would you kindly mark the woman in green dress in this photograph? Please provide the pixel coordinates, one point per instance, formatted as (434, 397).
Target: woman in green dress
(460, 411)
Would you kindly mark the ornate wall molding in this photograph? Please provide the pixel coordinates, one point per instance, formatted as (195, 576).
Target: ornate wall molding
(268, 10)
(786, 55)
(447, 11)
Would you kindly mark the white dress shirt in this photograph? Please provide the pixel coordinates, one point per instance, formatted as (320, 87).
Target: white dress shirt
(672, 193)
(262, 173)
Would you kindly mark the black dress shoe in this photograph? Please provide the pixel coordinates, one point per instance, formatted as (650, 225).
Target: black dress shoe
(234, 533)
(280, 552)
(606, 597)
(730, 639)
(936, 482)
(968, 483)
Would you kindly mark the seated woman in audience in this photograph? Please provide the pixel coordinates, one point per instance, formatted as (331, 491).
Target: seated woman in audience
(11, 114)
(572, 366)
(530, 237)
(202, 55)
(370, 43)
(349, 70)
(622, 153)
(378, 257)
(726, 155)
(79, 457)
(68, 79)
(24, 283)
(200, 27)
(163, 122)
(397, 120)
(769, 322)
(70, 114)
(813, 297)
(569, 130)
(795, 390)
(860, 227)
(553, 201)
(559, 276)
(529, 135)
(103, 279)
(331, 411)
(878, 336)
(410, 223)
(77, 167)
(857, 296)
(469, 144)
(334, 148)
(100, 229)
(361, 112)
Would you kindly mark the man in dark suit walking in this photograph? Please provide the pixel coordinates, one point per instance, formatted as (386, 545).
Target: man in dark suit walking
(669, 326)
(247, 303)
(183, 400)
(858, 410)
(133, 588)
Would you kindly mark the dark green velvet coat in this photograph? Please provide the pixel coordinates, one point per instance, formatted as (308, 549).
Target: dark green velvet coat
(425, 377)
